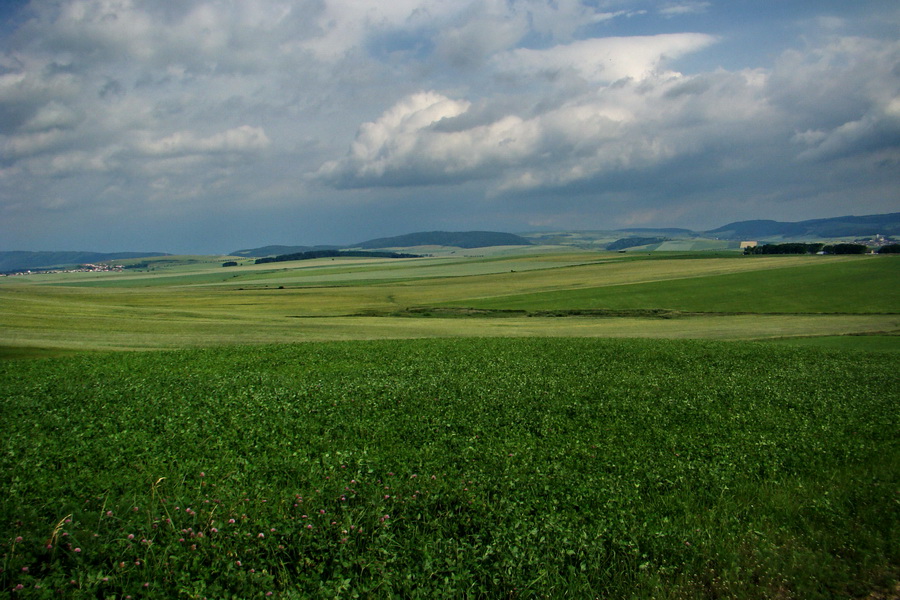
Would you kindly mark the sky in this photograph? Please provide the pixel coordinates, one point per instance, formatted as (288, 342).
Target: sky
(208, 126)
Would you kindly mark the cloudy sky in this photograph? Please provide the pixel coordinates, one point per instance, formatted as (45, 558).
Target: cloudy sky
(213, 125)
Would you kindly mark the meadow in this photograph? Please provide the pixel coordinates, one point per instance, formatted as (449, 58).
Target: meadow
(717, 296)
(518, 425)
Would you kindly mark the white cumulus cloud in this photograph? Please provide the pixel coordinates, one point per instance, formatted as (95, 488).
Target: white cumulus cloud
(605, 60)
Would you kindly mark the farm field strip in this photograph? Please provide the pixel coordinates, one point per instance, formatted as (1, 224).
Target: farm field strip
(850, 286)
(168, 331)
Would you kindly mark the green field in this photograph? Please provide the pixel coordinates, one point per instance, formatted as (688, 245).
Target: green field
(513, 424)
(869, 286)
(203, 304)
(451, 468)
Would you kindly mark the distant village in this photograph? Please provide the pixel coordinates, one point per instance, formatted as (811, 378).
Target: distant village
(87, 268)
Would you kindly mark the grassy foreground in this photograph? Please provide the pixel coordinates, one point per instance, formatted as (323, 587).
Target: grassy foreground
(448, 468)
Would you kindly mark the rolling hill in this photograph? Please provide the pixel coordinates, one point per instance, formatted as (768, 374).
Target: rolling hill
(837, 227)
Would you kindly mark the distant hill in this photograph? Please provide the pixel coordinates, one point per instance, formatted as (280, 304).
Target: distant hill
(836, 227)
(278, 250)
(19, 260)
(460, 239)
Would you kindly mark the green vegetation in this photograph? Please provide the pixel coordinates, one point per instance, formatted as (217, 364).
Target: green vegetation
(201, 304)
(313, 254)
(787, 248)
(827, 287)
(631, 242)
(442, 468)
(462, 426)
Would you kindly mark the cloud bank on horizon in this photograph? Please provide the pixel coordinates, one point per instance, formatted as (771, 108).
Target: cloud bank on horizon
(208, 125)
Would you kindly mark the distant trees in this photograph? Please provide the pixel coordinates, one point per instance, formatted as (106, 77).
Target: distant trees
(789, 248)
(815, 248)
(229, 263)
(332, 254)
(889, 249)
(631, 242)
(846, 249)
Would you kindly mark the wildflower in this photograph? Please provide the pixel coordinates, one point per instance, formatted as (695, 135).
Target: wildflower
(214, 530)
(237, 562)
(231, 521)
(202, 474)
(24, 569)
(19, 539)
(261, 535)
(130, 536)
(77, 549)
(19, 587)
(309, 526)
(109, 513)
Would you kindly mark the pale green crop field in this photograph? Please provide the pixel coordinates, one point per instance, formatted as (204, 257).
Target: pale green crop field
(197, 302)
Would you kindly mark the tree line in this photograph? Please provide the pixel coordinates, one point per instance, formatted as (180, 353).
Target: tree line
(332, 254)
(814, 248)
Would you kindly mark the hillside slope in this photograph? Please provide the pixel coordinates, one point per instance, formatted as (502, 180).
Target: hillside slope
(836, 227)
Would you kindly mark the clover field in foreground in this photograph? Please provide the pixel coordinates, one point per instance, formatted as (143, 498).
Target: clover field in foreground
(448, 468)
